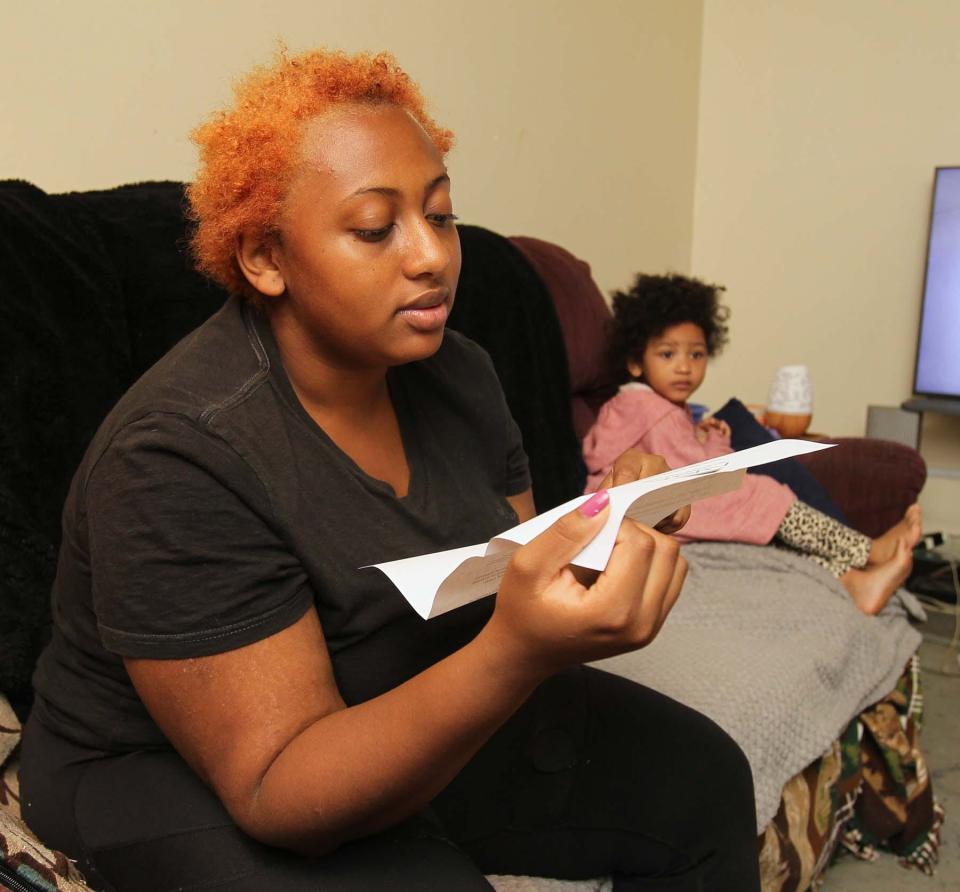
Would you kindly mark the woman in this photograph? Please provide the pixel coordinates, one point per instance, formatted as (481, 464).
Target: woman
(279, 718)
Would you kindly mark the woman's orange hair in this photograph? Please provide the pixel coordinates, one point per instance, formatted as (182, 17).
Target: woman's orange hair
(249, 152)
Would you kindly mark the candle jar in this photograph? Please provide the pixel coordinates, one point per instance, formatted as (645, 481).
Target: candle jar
(790, 406)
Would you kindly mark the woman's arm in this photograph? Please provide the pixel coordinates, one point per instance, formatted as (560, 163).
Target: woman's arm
(523, 504)
(265, 727)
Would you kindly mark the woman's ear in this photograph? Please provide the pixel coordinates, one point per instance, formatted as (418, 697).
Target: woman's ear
(256, 257)
(634, 368)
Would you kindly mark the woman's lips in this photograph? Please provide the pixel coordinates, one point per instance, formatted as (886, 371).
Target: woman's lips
(428, 312)
(426, 318)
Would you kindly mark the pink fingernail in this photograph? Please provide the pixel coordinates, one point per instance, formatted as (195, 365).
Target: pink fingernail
(595, 504)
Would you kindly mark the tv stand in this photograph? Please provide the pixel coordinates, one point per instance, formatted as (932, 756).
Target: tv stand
(931, 404)
(940, 406)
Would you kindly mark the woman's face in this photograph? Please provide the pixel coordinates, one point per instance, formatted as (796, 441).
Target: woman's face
(368, 253)
(674, 362)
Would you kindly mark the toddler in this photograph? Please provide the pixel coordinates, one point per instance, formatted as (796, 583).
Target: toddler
(663, 331)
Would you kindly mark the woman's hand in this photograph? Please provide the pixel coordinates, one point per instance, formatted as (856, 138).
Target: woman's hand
(635, 465)
(546, 619)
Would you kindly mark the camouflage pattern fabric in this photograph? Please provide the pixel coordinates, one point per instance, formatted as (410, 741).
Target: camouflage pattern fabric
(896, 809)
(869, 791)
(21, 853)
(34, 865)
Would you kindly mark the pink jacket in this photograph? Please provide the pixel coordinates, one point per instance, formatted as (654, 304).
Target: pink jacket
(639, 418)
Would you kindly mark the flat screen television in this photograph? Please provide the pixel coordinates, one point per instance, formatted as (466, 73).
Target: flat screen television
(937, 371)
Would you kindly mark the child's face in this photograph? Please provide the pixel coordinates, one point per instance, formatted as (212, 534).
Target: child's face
(674, 362)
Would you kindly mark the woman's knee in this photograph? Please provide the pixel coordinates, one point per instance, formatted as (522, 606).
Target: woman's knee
(698, 763)
(724, 799)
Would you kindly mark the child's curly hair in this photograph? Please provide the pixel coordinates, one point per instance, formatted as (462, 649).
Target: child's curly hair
(656, 303)
(249, 152)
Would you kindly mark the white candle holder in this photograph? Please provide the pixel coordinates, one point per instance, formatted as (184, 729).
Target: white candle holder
(790, 406)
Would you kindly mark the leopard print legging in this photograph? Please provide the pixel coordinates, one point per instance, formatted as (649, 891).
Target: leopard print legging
(830, 543)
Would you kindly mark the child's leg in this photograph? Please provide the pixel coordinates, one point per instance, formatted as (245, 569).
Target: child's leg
(873, 586)
(907, 528)
(830, 543)
(845, 554)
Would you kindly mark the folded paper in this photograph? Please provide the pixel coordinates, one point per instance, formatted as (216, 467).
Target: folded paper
(442, 581)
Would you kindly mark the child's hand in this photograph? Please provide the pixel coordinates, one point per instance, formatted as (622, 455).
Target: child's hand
(713, 424)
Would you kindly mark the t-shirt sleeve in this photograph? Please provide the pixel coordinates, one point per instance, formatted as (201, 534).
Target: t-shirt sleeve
(517, 469)
(186, 558)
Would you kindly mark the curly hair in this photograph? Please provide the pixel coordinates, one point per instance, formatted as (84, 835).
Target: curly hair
(249, 152)
(655, 303)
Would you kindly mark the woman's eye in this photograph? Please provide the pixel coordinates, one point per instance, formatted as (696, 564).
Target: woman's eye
(442, 220)
(373, 235)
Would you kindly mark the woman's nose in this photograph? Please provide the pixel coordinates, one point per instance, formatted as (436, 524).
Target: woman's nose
(426, 251)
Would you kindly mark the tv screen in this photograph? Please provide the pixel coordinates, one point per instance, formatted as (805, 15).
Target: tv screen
(938, 350)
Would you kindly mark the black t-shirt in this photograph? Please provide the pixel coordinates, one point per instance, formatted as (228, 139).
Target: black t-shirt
(211, 511)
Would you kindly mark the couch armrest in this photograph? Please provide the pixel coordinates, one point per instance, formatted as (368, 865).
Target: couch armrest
(872, 481)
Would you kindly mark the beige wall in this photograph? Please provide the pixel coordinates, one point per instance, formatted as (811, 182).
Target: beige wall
(820, 126)
(783, 147)
(576, 121)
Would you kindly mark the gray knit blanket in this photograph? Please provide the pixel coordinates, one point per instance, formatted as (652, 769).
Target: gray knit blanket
(771, 647)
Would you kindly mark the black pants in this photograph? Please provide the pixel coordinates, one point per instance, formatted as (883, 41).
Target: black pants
(593, 776)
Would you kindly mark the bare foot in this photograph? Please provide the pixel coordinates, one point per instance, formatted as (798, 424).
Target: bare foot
(907, 528)
(873, 587)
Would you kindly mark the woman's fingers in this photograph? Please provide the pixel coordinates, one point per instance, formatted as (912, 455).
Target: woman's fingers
(660, 589)
(642, 576)
(540, 561)
(673, 589)
(675, 521)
